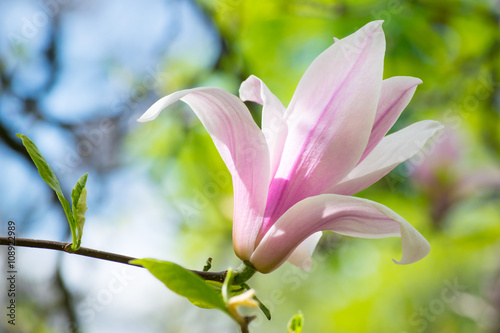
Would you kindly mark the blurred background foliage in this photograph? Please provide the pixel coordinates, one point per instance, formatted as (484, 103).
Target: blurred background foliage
(76, 74)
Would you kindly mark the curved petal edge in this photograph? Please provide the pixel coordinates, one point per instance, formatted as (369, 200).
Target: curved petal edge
(345, 215)
(243, 149)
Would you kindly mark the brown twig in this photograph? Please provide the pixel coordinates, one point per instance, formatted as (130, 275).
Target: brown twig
(84, 251)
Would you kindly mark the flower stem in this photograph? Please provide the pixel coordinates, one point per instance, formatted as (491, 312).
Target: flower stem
(243, 273)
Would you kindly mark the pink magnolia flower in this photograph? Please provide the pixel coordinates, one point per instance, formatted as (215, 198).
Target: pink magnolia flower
(295, 177)
(446, 179)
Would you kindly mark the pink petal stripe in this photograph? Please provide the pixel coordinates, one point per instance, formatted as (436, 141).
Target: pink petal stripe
(330, 119)
(389, 153)
(395, 95)
(241, 145)
(345, 215)
(274, 125)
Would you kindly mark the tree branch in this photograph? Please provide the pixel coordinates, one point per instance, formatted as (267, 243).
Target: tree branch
(84, 251)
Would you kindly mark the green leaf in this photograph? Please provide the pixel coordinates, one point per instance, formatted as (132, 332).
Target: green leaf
(208, 265)
(69, 215)
(226, 286)
(43, 167)
(184, 283)
(262, 307)
(49, 178)
(79, 215)
(296, 323)
(77, 190)
(217, 287)
(79, 205)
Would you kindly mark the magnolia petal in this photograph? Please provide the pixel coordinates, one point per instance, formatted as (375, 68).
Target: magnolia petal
(395, 95)
(241, 145)
(302, 255)
(389, 153)
(329, 119)
(345, 215)
(155, 109)
(273, 124)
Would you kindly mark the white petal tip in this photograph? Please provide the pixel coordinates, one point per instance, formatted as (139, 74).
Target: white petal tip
(439, 127)
(401, 262)
(404, 261)
(306, 266)
(250, 90)
(153, 112)
(412, 81)
(421, 253)
(372, 29)
(374, 25)
(147, 116)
